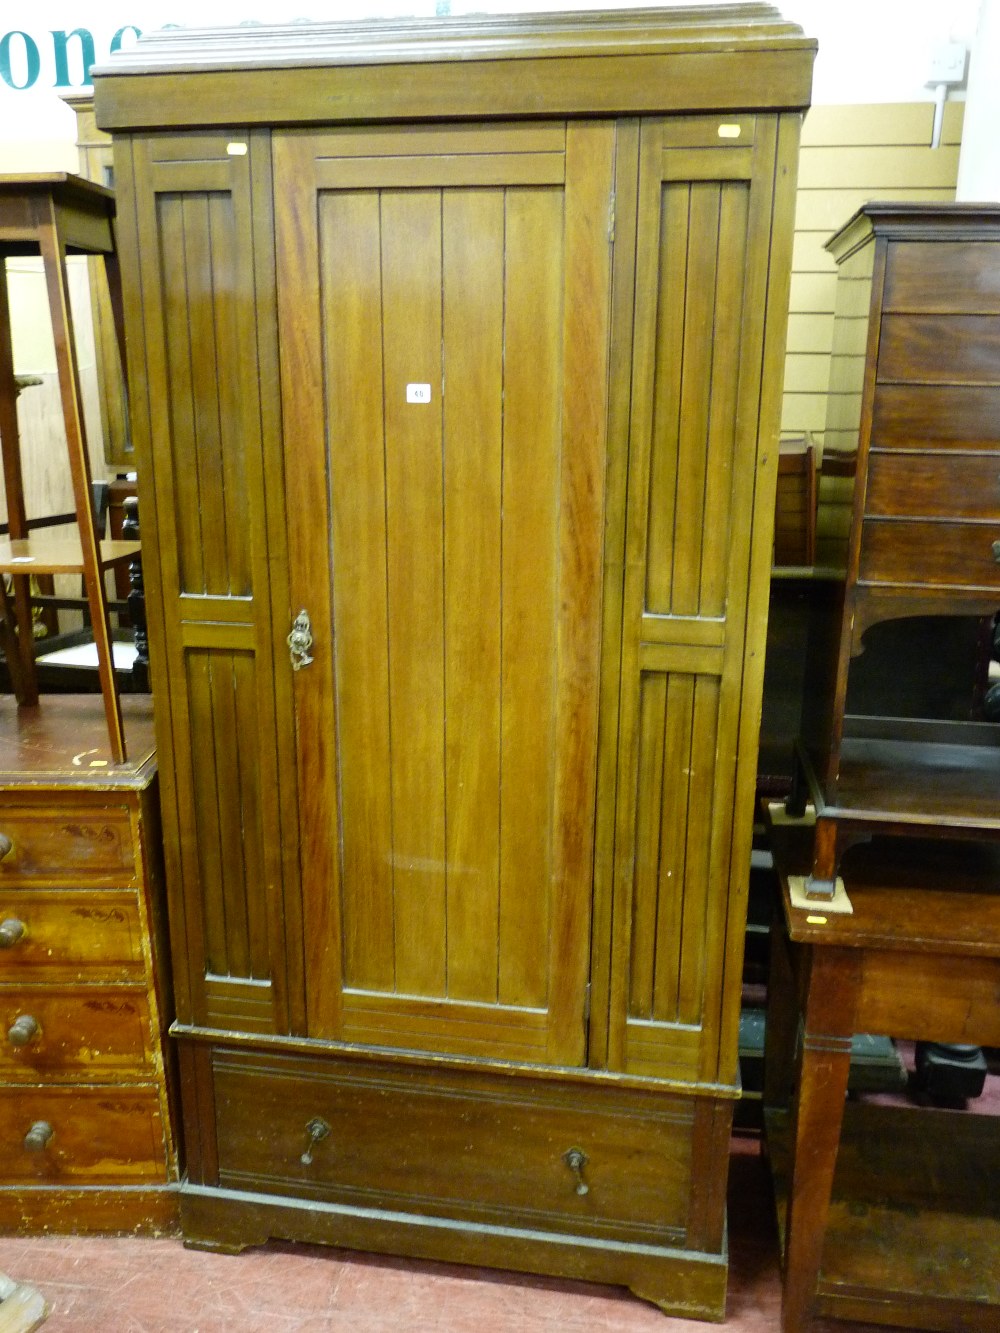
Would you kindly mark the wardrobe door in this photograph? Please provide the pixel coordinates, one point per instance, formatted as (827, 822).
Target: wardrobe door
(702, 274)
(443, 315)
(197, 267)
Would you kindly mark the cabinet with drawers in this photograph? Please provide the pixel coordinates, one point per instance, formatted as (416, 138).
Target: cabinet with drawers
(85, 1126)
(902, 733)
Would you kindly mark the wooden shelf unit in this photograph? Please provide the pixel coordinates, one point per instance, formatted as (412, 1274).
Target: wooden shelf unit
(916, 388)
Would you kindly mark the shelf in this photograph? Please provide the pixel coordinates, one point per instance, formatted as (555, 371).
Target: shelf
(59, 555)
(919, 783)
(914, 1226)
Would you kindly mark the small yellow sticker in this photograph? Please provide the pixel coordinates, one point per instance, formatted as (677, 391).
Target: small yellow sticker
(816, 920)
(236, 149)
(729, 131)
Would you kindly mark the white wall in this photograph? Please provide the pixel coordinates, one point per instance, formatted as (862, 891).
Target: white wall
(870, 50)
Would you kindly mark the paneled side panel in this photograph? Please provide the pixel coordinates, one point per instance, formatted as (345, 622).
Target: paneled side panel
(678, 720)
(221, 693)
(200, 252)
(197, 246)
(703, 220)
(699, 311)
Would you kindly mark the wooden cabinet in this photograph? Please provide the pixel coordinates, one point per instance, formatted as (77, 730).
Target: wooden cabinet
(457, 362)
(899, 734)
(85, 1116)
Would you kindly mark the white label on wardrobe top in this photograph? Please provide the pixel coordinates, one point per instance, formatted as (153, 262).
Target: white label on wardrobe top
(418, 393)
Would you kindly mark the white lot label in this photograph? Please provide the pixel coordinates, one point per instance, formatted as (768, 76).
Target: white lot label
(418, 393)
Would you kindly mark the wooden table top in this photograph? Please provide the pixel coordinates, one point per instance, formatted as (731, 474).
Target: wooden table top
(908, 894)
(64, 741)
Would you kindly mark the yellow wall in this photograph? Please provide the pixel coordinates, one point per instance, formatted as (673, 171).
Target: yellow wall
(850, 155)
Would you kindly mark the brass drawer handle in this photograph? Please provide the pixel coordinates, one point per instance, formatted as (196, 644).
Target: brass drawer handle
(299, 641)
(37, 1137)
(576, 1160)
(11, 931)
(6, 846)
(23, 1030)
(317, 1129)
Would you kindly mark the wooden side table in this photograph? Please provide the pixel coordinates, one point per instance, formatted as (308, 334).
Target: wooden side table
(888, 1214)
(54, 215)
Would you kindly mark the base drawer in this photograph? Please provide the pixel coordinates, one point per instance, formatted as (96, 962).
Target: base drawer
(588, 1160)
(92, 1135)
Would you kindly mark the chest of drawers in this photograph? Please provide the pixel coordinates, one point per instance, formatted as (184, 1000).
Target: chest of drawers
(85, 1125)
(899, 728)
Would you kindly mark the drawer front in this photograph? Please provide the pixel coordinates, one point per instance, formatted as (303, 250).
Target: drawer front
(930, 554)
(68, 843)
(93, 1136)
(66, 934)
(89, 1031)
(940, 349)
(929, 485)
(941, 416)
(943, 276)
(471, 1149)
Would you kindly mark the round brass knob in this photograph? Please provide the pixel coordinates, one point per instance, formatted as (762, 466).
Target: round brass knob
(38, 1136)
(23, 1029)
(6, 846)
(11, 931)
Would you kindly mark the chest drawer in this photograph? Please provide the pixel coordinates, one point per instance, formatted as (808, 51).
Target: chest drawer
(87, 1031)
(87, 1135)
(934, 485)
(411, 1141)
(930, 554)
(69, 934)
(66, 843)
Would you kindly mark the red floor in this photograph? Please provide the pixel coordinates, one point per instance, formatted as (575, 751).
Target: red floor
(130, 1285)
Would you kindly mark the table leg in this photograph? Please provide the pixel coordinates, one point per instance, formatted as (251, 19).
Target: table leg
(831, 1001)
(782, 1021)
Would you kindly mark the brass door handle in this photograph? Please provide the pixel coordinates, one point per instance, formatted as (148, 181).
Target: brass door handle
(11, 931)
(576, 1160)
(6, 846)
(38, 1136)
(23, 1030)
(317, 1129)
(299, 641)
